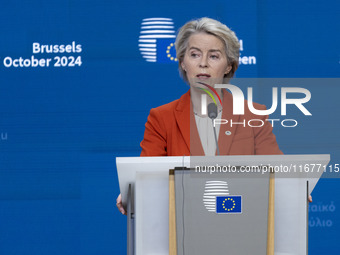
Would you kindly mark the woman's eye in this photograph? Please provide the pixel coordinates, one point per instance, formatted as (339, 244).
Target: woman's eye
(193, 54)
(214, 56)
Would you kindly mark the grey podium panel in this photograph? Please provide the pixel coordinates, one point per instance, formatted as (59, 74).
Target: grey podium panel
(200, 230)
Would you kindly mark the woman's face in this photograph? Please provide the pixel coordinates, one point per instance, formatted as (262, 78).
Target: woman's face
(205, 60)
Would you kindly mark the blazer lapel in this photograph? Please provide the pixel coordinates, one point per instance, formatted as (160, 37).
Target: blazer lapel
(227, 132)
(187, 125)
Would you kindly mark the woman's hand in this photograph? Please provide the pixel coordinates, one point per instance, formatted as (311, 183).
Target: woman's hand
(119, 204)
(310, 200)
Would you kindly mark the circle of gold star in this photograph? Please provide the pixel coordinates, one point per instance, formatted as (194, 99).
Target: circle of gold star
(227, 200)
(168, 52)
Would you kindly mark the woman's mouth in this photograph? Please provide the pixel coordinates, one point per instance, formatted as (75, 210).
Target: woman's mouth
(203, 76)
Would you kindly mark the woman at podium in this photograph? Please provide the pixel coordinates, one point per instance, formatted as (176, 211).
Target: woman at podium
(202, 122)
(208, 54)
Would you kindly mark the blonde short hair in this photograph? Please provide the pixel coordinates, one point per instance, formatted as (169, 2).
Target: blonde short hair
(213, 27)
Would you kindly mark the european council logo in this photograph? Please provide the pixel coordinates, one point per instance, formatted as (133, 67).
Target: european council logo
(229, 204)
(211, 191)
(157, 40)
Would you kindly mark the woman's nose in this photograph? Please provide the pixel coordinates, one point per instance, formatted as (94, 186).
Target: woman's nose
(204, 62)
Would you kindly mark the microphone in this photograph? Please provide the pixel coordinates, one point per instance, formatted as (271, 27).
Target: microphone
(212, 114)
(212, 111)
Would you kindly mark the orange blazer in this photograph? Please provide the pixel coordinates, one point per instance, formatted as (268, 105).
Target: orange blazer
(168, 131)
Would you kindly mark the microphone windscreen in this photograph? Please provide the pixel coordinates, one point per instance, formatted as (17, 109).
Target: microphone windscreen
(212, 111)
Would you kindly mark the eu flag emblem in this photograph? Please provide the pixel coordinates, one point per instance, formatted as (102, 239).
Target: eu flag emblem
(166, 52)
(229, 204)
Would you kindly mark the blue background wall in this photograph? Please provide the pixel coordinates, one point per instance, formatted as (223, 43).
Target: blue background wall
(62, 127)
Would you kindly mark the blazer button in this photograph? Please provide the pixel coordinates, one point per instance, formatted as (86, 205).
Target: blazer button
(227, 132)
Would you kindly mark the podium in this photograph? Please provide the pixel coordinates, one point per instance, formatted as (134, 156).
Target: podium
(144, 184)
